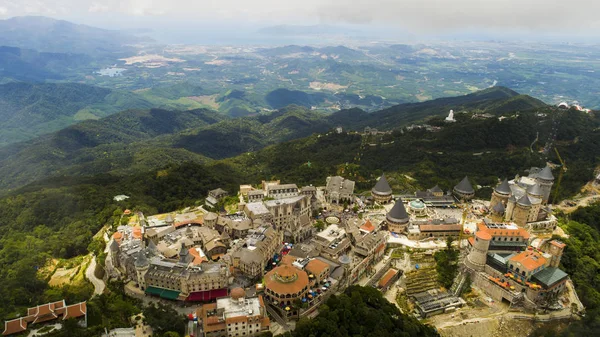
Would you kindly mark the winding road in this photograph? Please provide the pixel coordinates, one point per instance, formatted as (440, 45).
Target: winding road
(99, 284)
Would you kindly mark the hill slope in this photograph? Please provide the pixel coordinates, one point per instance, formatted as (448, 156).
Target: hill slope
(28, 110)
(59, 36)
(495, 100)
(93, 147)
(118, 142)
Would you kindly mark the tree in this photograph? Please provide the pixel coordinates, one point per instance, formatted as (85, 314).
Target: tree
(164, 319)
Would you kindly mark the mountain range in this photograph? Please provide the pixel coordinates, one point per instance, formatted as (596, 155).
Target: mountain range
(59, 36)
(135, 140)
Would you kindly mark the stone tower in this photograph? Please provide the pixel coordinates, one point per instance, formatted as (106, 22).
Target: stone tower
(510, 207)
(555, 248)
(382, 192)
(501, 194)
(521, 211)
(210, 220)
(478, 255)
(546, 180)
(141, 268)
(536, 195)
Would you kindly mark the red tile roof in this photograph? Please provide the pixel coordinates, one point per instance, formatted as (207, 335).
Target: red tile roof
(529, 259)
(14, 326)
(483, 235)
(367, 226)
(316, 266)
(520, 232)
(387, 277)
(286, 279)
(75, 310)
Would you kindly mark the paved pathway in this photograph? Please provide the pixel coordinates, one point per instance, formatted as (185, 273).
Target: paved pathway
(99, 284)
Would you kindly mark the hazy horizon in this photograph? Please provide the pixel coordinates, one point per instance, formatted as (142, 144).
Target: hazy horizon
(185, 21)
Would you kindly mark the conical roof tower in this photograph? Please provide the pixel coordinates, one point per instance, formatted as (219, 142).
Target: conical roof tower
(382, 186)
(398, 213)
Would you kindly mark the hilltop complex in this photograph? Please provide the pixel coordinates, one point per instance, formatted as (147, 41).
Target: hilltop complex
(292, 247)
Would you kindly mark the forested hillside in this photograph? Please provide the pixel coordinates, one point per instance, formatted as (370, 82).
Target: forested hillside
(93, 147)
(28, 110)
(360, 311)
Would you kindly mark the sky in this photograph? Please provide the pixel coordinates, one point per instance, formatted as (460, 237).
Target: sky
(538, 17)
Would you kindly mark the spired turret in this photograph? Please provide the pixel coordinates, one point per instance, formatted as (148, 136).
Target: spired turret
(382, 192)
(521, 211)
(141, 268)
(464, 190)
(397, 218)
(501, 194)
(546, 179)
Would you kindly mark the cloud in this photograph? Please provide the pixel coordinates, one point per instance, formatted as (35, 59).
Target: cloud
(417, 15)
(98, 8)
(3, 10)
(439, 15)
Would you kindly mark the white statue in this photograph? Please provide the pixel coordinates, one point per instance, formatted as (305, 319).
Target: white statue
(450, 117)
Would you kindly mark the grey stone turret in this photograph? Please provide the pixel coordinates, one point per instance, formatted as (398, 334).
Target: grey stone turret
(398, 213)
(141, 261)
(382, 186)
(503, 188)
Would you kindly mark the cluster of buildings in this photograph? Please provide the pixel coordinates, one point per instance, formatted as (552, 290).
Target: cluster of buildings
(197, 256)
(271, 239)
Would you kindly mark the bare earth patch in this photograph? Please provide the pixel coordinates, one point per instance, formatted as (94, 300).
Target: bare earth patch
(151, 60)
(211, 100)
(326, 86)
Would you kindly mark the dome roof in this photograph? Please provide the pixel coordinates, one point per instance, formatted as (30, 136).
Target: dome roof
(398, 213)
(382, 186)
(286, 279)
(503, 188)
(417, 204)
(535, 190)
(464, 186)
(237, 293)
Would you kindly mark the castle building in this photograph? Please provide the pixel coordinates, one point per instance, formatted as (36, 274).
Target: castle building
(292, 217)
(524, 199)
(339, 190)
(505, 238)
(529, 276)
(259, 247)
(464, 190)
(234, 316)
(215, 196)
(397, 218)
(161, 270)
(382, 192)
(282, 191)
